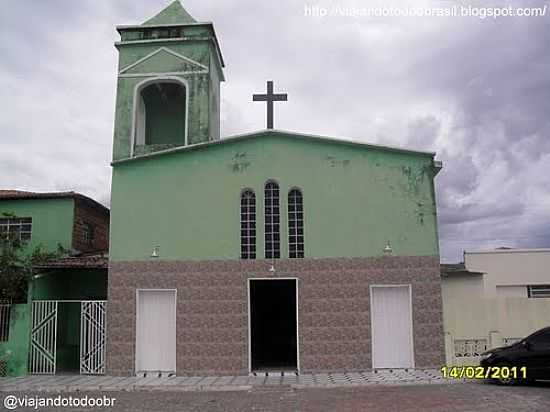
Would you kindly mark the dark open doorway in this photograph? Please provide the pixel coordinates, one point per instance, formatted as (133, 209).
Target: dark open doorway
(68, 337)
(273, 324)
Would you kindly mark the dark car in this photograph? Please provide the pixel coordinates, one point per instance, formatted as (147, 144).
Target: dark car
(531, 353)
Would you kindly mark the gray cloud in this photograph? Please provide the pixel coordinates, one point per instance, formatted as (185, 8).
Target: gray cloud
(475, 91)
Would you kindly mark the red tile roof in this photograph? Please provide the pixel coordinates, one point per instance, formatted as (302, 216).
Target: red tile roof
(100, 261)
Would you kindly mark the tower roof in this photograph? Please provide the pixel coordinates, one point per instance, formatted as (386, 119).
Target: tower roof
(174, 13)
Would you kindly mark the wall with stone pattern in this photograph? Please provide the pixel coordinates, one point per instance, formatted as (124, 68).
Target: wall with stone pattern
(334, 319)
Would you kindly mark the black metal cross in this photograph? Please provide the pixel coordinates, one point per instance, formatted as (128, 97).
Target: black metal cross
(269, 97)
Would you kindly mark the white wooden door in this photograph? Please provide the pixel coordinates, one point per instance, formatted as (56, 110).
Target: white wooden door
(392, 345)
(156, 331)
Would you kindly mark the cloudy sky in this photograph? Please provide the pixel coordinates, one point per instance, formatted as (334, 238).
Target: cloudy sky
(476, 91)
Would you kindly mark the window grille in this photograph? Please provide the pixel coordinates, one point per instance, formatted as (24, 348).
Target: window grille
(248, 225)
(5, 310)
(16, 228)
(469, 347)
(295, 224)
(272, 221)
(538, 291)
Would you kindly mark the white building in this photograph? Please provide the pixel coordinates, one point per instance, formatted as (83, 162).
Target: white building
(494, 298)
(518, 273)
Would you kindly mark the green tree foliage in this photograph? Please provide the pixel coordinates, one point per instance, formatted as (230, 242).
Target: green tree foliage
(17, 265)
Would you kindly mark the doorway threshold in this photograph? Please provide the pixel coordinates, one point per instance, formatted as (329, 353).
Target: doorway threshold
(275, 372)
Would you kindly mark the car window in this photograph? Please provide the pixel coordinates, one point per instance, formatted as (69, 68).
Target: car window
(541, 341)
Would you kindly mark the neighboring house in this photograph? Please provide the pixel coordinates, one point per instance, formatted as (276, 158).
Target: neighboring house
(494, 298)
(43, 333)
(270, 250)
(69, 219)
(518, 273)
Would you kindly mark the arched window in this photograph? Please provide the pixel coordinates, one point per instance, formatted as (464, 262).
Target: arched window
(161, 114)
(295, 224)
(272, 230)
(248, 225)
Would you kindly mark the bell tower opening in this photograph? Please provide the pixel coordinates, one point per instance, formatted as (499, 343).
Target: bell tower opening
(161, 114)
(168, 94)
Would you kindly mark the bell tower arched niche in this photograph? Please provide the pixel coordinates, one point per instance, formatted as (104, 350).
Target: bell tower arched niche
(160, 114)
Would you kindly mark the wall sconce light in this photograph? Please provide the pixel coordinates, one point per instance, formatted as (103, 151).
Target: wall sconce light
(388, 249)
(156, 252)
(272, 268)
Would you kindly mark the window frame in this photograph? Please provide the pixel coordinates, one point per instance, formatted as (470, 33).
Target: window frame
(9, 222)
(537, 289)
(88, 233)
(272, 220)
(5, 319)
(296, 239)
(248, 224)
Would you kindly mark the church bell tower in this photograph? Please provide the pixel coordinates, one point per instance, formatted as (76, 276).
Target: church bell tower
(168, 90)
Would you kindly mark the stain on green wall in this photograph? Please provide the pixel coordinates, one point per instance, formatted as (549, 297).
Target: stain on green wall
(15, 350)
(356, 198)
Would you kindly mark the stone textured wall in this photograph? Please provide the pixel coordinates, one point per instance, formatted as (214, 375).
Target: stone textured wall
(334, 319)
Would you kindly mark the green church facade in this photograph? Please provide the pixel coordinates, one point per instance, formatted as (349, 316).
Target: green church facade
(356, 198)
(267, 251)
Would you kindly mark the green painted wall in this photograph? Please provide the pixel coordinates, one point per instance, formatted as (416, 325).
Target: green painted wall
(356, 198)
(174, 13)
(203, 84)
(15, 350)
(52, 219)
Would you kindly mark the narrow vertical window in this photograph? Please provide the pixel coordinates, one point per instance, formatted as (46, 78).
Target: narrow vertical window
(88, 234)
(295, 224)
(272, 221)
(5, 310)
(248, 225)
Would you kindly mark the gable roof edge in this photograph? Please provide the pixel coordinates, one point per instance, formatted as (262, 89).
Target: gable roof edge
(25, 195)
(245, 136)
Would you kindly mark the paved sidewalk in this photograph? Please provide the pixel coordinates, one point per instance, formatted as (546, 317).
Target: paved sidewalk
(465, 397)
(73, 383)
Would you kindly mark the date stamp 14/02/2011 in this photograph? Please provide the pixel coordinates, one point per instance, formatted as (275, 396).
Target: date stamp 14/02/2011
(480, 372)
